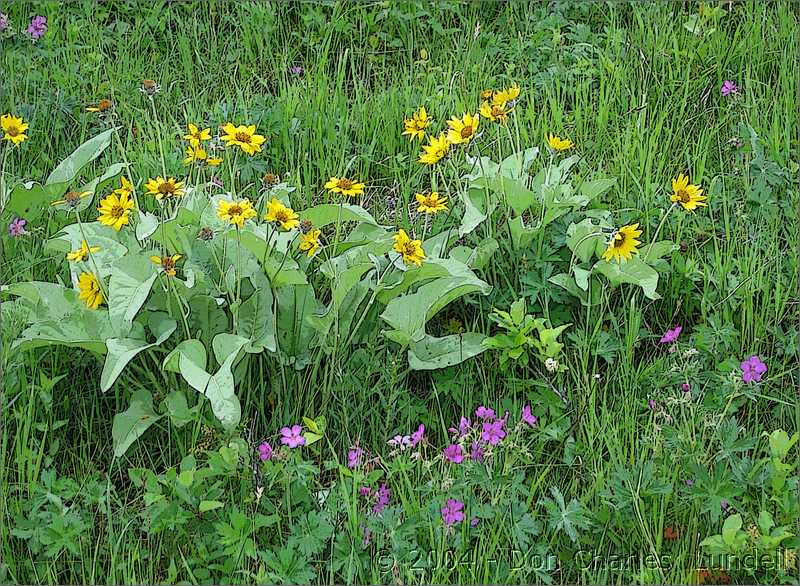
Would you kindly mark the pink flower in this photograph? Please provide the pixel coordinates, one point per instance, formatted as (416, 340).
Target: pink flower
(452, 512)
(354, 455)
(4, 23)
(529, 417)
(264, 451)
(418, 435)
(686, 387)
(17, 227)
(753, 369)
(728, 88)
(671, 336)
(464, 425)
(651, 404)
(476, 452)
(484, 413)
(365, 491)
(454, 454)
(474, 522)
(37, 27)
(493, 432)
(292, 436)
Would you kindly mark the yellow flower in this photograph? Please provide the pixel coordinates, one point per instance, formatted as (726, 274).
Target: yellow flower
(101, 106)
(167, 263)
(348, 187)
(90, 292)
(115, 208)
(623, 244)
(688, 195)
(559, 144)
(280, 214)
(195, 135)
(125, 187)
(83, 252)
(487, 94)
(235, 212)
(162, 187)
(416, 125)
(72, 198)
(502, 97)
(244, 137)
(462, 130)
(431, 203)
(13, 128)
(436, 149)
(495, 112)
(309, 242)
(197, 154)
(410, 249)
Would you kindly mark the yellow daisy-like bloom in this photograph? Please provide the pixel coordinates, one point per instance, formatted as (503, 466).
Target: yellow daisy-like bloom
(309, 242)
(125, 187)
(559, 144)
(90, 292)
(72, 198)
(197, 154)
(495, 112)
(347, 187)
(431, 203)
(436, 149)
(688, 195)
(115, 208)
(462, 130)
(410, 249)
(244, 137)
(101, 106)
(623, 244)
(509, 94)
(163, 188)
(416, 125)
(280, 214)
(196, 136)
(487, 94)
(235, 212)
(14, 128)
(167, 263)
(82, 253)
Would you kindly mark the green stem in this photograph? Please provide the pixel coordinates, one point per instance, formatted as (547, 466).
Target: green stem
(658, 230)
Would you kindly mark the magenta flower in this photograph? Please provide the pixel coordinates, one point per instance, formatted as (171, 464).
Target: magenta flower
(529, 417)
(452, 512)
(476, 452)
(651, 404)
(753, 369)
(365, 491)
(686, 387)
(418, 435)
(400, 441)
(17, 227)
(4, 22)
(454, 453)
(292, 436)
(724, 505)
(493, 432)
(296, 70)
(484, 412)
(382, 496)
(37, 27)
(354, 455)
(728, 88)
(264, 451)
(474, 522)
(671, 336)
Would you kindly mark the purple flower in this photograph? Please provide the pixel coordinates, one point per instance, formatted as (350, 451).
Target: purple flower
(753, 369)
(452, 512)
(493, 432)
(476, 452)
(382, 496)
(484, 412)
(529, 417)
(474, 522)
(17, 227)
(264, 451)
(400, 441)
(37, 27)
(292, 436)
(724, 505)
(686, 387)
(464, 425)
(354, 455)
(4, 22)
(671, 336)
(365, 491)
(728, 88)
(689, 482)
(418, 435)
(651, 404)
(217, 182)
(454, 454)
(296, 70)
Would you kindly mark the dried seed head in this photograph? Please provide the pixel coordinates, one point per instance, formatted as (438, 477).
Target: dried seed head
(205, 233)
(306, 226)
(149, 87)
(270, 179)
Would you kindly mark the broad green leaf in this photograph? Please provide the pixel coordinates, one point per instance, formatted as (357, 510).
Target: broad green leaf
(580, 290)
(521, 235)
(206, 318)
(596, 188)
(178, 408)
(634, 271)
(730, 527)
(129, 425)
(328, 213)
(31, 200)
(68, 169)
(256, 318)
(656, 250)
(295, 334)
(206, 506)
(431, 353)
(220, 389)
(132, 278)
(193, 350)
(515, 166)
(478, 205)
(147, 225)
(478, 257)
(586, 238)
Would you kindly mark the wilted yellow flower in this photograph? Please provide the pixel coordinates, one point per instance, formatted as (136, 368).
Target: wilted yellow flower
(235, 212)
(197, 154)
(348, 187)
(623, 244)
(487, 94)
(431, 203)
(167, 263)
(281, 214)
(504, 96)
(410, 249)
(244, 137)
(495, 112)
(436, 149)
(196, 136)
(416, 125)
(462, 130)
(82, 253)
(13, 128)
(90, 292)
(688, 195)
(101, 106)
(115, 208)
(72, 198)
(559, 144)
(309, 242)
(164, 188)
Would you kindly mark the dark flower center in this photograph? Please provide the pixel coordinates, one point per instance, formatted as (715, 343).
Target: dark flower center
(243, 137)
(684, 196)
(166, 188)
(467, 131)
(235, 210)
(344, 184)
(117, 211)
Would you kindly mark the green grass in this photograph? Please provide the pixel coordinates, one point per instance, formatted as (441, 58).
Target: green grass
(636, 91)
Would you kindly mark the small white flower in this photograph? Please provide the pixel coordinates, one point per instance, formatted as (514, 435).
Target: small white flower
(551, 365)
